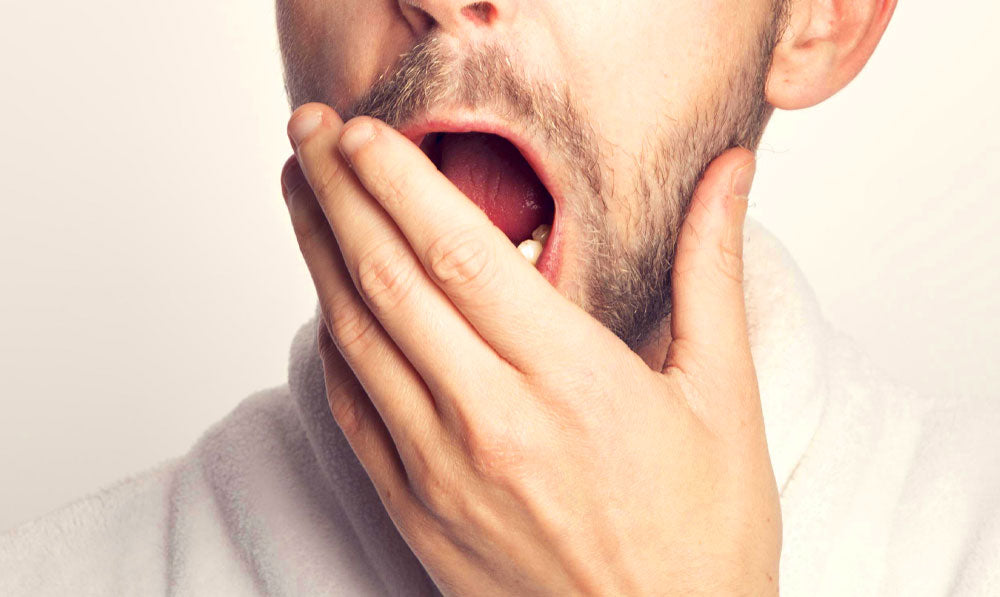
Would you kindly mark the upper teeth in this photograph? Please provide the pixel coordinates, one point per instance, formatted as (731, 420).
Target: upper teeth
(532, 247)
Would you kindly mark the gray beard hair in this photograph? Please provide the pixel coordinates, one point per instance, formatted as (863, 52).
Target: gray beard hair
(628, 284)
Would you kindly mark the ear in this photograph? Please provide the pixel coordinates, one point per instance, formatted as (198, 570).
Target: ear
(825, 45)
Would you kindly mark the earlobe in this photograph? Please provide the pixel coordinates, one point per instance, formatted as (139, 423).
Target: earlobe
(824, 46)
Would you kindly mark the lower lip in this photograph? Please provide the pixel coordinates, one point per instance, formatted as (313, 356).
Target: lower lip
(549, 261)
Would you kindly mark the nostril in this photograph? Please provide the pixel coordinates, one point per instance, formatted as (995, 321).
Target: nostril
(482, 13)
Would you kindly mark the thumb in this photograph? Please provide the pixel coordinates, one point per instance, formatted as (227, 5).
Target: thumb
(708, 321)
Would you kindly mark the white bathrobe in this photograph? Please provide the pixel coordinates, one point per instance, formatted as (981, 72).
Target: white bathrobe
(883, 491)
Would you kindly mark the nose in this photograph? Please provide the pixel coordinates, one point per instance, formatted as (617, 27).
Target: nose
(461, 18)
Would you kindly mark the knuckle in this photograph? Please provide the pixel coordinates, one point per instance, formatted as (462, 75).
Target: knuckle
(345, 404)
(329, 180)
(308, 222)
(437, 492)
(463, 259)
(352, 328)
(385, 277)
(327, 348)
(394, 183)
(730, 264)
(495, 454)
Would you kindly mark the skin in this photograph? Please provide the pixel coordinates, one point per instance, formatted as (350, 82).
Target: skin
(515, 440)
(620, 188)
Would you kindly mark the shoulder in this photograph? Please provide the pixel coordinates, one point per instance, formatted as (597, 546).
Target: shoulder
(948, 519)
(73, 549)
(919, 482)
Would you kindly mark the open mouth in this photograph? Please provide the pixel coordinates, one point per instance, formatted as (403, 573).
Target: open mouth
(493, 173)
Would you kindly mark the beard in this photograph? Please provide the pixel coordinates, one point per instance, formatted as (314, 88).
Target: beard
(626, 278)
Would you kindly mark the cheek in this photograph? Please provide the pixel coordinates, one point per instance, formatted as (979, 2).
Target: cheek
(646, 74)
(651, 64)
(335, 50)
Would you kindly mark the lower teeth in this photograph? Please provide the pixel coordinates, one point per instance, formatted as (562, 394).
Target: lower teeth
(541, 234)
(532, 247)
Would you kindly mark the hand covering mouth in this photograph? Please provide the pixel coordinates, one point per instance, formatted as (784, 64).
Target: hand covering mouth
(492, 173)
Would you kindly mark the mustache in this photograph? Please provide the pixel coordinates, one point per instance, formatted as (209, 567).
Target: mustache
(432, 77)
(432, 74)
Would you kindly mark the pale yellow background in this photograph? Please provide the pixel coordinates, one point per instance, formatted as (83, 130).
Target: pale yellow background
(149, 279)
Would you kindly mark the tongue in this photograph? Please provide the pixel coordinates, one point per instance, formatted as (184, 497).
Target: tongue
(492, 172)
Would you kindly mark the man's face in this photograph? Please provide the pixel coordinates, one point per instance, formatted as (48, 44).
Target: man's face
(616, 107)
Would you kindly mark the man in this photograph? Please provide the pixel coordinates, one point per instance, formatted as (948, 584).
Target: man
(546, 350)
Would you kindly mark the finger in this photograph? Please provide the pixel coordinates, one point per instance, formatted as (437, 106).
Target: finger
(395, 389)
(370, 440)
(708, 320)
(501, 294)
(362, 426)
(432, 334)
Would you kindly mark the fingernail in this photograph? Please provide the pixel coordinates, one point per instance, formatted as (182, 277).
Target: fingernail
(303, 124)
(291, 178)
(354, 136)
(743, 178)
